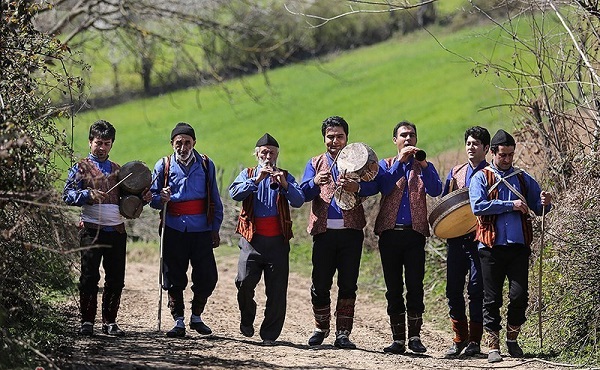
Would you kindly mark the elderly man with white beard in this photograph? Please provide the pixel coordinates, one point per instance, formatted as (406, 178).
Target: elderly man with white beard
(265, 226)
(186, 182)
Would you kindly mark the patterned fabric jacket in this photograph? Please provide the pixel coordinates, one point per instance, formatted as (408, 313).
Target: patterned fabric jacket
(459, 177)
(389, 204)
(486, 225)
(246, 224)
(317, 221)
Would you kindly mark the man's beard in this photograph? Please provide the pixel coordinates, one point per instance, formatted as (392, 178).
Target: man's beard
(266, 163)
(183, 158)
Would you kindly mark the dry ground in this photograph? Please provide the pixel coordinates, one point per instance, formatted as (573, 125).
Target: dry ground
(144, 347)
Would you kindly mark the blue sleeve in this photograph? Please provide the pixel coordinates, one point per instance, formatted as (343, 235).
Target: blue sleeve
(308, 186)
(158, 174)
(447, 184)
(294, 194)
(534, 202)
(390, 176)
(242, 186)
(215, 196)
(431, 179)
(368, 188)
(73, 192)
(479, 198)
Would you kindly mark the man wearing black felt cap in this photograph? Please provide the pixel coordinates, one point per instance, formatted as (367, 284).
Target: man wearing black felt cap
(265, 226)
(505, 199)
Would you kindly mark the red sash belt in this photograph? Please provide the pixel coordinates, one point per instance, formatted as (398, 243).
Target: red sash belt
(188, 207)
(267, 226)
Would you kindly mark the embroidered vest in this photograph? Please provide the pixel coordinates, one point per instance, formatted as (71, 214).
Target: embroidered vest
(486, 225)
(389, 204)
(246, 226)
(317, 221)
(459, 177)
(92, 177)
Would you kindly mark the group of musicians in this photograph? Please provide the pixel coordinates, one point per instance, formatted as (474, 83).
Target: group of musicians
(503, 197)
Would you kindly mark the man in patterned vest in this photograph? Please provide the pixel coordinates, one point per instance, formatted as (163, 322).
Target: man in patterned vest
(505, 199)
(101, 224)
(337, 236)
(402, 228)
(265, 226)
(463, 259)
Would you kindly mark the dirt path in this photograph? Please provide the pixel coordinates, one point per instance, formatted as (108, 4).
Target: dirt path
(144, 347)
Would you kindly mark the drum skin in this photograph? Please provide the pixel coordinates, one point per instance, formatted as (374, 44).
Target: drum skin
(139, 180)
(130, 206)
(452, 216)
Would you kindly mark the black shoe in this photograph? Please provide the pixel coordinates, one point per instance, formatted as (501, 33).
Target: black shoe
(112, 329)
(494, 356)
(269, 343)
(176, 332)
(87, 329)
(415, 345)
(456, 349)
(317, 338)
(396, 347)
(247, 331)
(200, 327)
(342, 341)
(514, 349)
(472, 349)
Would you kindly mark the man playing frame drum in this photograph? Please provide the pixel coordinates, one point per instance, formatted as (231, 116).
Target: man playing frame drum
(504, 198)
(463, 259)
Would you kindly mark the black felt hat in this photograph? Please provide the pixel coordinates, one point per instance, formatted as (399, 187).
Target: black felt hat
(267, 139)
(183, 128)
(503, 138)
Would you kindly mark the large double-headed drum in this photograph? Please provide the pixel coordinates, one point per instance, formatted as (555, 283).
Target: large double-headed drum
(357, 161)
(451, 216)
(135, 177)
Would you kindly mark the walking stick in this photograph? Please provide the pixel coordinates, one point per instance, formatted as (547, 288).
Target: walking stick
(160, 263)
(540, 302)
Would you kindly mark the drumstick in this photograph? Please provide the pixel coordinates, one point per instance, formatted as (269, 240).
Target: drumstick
(334, 160)
(117, 184)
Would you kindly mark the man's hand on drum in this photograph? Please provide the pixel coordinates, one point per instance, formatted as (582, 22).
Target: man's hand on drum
(322, 178)
(97, 195)
(165, 195)
(147, 195)
(519, 205)
(349, 185)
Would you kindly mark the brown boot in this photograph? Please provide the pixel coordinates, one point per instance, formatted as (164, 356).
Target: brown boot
(398, 326)
(475, 334)
(111, 301)
(415, 321)
(493, 343)
(512, 332)
(322, 322)
(344, 315)
(461, 334)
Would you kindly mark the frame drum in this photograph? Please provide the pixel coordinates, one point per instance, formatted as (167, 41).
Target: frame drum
(358, 158)
(452, 216)
(139, 180)
(130, 206)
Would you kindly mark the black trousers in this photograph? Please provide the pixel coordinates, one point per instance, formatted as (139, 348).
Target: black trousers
(497, 264)
(268, 255)
(335, 250)
(403, 253)
(179, 251)
(463, 261)
(112, 255)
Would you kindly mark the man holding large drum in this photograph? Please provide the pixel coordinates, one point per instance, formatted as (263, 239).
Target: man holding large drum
(463, 259)
(186, 183)
(92, 185)
(402, 228)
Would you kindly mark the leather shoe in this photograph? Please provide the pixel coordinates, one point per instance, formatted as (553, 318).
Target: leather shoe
(415, 345)
(472, 349)
(87, 329)
(514, 349)
(317, 338)
(456, 349)
(247, 331)
(494, 356)
(200, 327)
(268, 343)
(112, 329)
(176, 332)
(342, 341)
(397, 347)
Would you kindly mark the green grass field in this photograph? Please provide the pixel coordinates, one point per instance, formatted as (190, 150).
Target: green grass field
(412, 78)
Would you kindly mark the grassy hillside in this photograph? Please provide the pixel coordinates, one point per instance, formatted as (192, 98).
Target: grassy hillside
(373, 88)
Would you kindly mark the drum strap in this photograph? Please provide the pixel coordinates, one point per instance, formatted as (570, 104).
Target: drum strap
(502, 180)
